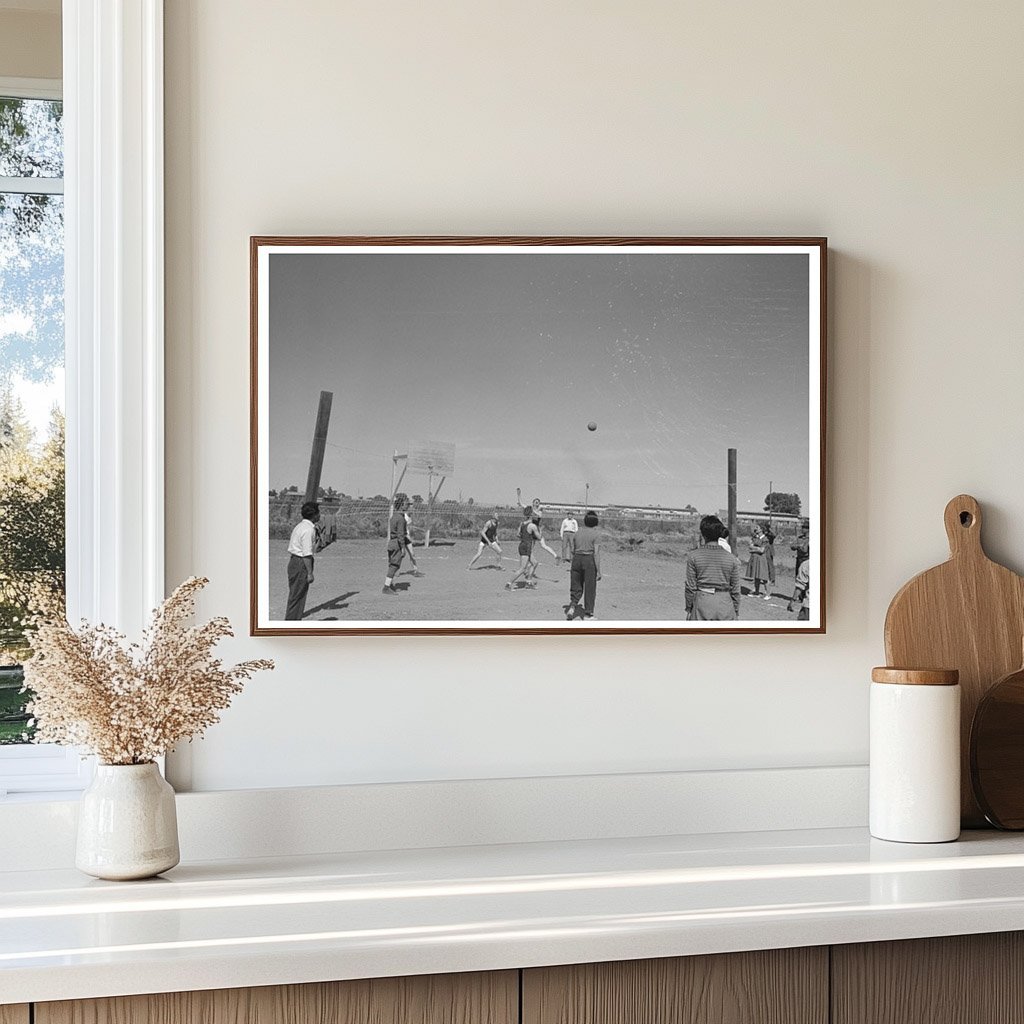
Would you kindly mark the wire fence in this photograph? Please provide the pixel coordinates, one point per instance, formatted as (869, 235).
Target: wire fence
(362, 518)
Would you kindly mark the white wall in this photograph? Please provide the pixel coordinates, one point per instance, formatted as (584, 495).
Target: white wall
(894, 129)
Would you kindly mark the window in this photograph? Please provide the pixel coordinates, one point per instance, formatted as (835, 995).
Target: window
(31, 382)
(113, 332)
(32, 529)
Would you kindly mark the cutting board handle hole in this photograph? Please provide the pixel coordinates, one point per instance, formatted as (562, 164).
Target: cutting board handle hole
(966, 519)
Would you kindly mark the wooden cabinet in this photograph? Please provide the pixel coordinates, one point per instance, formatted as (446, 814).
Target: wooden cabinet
(491, 998)
(778, 986)
(963, 979)
(970, 979)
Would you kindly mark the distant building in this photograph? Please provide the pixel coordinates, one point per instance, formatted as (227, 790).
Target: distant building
(761, 517)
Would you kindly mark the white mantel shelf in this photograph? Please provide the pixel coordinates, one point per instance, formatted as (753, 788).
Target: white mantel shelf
(225, 924)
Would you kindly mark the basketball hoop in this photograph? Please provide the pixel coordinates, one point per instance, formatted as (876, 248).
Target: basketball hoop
(431, 457)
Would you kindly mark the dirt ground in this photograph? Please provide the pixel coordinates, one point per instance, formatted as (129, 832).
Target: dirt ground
(349, 576)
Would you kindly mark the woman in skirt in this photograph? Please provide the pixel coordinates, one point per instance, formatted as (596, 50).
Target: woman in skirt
(758, 568)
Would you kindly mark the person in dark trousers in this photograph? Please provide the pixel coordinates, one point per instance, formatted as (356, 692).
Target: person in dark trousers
(301, 546)
(712, 589)
(585, 570)
(398, 531)
(769, 553)
(569, 526)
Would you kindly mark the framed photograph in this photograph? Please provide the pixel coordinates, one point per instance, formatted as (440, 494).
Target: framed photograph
(537, 435)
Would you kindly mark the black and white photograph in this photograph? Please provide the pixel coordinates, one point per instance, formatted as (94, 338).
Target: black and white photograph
(537, 435)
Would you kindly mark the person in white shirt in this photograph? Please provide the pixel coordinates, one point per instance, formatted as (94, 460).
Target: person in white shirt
(301, 546)
(567, 531)
(408, 547)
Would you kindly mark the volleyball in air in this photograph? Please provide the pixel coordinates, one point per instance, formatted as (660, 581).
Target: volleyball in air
(591, 425)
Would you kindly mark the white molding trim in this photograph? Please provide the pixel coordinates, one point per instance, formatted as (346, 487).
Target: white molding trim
(32, 88)
(43, 768)
(33, 186)
(114, 307)
(255, 823)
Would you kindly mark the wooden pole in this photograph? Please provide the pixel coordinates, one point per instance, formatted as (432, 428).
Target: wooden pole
(732, 498)
(395, 486)
(391, 504)
(316, 456)
(430, 505)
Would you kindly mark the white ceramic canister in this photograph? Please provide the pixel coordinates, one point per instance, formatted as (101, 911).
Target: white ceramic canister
(915, 755)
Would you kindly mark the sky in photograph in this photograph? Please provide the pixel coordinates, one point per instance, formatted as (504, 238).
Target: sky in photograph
(676, 358)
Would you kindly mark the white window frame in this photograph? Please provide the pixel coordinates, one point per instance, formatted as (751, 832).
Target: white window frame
(114, 336)
(31, 89)
(37, 768)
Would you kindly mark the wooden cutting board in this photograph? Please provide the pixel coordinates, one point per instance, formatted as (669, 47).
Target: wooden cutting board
(967, 614)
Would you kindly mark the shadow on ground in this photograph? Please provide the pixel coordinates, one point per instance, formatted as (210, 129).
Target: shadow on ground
(334, 605)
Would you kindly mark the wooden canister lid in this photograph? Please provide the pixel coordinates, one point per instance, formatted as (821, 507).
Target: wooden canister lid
(916, 676)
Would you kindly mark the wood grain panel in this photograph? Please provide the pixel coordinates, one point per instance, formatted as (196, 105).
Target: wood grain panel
(481, 998)
(779, 986)
(962, 979)
(14, 1014)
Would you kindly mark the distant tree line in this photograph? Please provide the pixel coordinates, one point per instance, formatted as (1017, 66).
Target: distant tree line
(782, 502)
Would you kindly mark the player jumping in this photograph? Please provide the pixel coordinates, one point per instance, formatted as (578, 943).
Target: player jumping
(529, 534)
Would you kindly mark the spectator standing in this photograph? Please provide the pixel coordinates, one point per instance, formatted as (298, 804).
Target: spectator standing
(566, 531)
(803, 587)
(803, 576)
(398, 530)
(769, 553)
(301, 546)
(712, 591)
(801, 549)
(802, 546)
(585, 570)
(757, 563)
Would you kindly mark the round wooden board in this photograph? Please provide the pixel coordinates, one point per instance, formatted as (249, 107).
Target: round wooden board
(997, 752)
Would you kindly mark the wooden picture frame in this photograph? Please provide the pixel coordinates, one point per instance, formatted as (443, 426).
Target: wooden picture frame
(651, 381)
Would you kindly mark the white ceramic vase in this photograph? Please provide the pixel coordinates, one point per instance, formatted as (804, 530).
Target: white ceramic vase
(127, 825)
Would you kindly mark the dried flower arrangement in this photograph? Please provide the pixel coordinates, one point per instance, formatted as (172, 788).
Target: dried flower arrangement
(128, 704)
